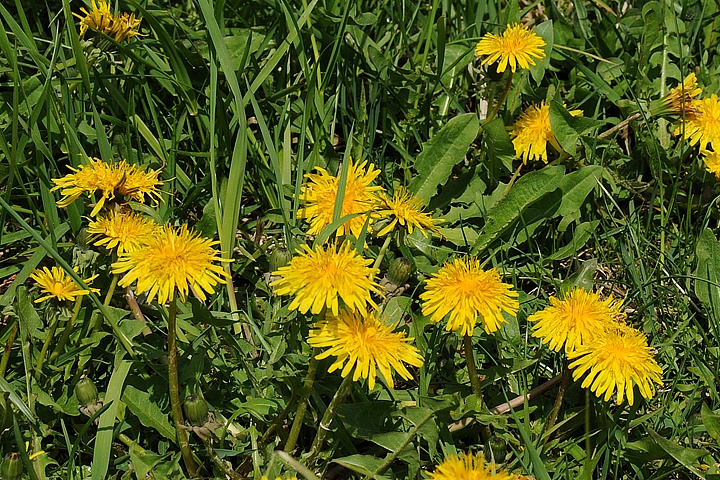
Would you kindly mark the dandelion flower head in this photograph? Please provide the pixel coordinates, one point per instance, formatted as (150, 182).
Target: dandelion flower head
(265, 477)
(576, 320)
(121, 27)
(680, 98)
(125, 231)
(56, 283)
(467, 466)
(616, 361)
(123, 179)
(364, 344)
(464, 291)
(712, 163)
(174, 259)
(518, 45)
(318, 195)
(532, 132)
(701, 125)
(320, 278)
(406, 209)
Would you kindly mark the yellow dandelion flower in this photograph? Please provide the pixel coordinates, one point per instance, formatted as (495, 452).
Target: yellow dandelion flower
(467, 466)
(465, 291)
(56, 283)
(678, 99)
(319, 193)
(405, 208)
(516, 46)
(616, 361)
(174, 259)
(127, 181)
(100, 18)
(712, 163)
(531, 133)
(702, 123)
(576, 320)
(265, 477)
(318, 277)
(363, 345)
(125, 230)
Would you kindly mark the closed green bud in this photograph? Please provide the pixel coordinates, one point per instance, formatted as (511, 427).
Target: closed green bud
(12, 467)
(86, 392)
(196, 410)
(279, 258)
(495, 449)
(399, 271)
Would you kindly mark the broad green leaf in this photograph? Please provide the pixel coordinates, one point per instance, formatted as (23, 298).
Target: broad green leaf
(688, 457)
(362, 464)
(711, 422)
(147, 411)
(652, 32)
(441, 153)
(707, 273)
(582, 234)
(529, 189)
(546, 32)
(568, 128)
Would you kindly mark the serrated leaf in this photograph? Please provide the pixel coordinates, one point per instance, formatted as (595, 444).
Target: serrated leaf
(147, 411)
(529, 189)
(688, 457)
(441, 153)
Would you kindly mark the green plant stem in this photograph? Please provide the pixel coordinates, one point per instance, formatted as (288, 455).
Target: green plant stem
(106, 302)
(588, 444)
(474, 380)
(496, 108)
(302, 406)
(559, 399)
(383, 251)
(46, 345)
(222, 466)
(174, 387)
(410, 435)
(512, 180)
(135, 310)
(340, 394)
(8, 345)
(130, 443)
(67, 330)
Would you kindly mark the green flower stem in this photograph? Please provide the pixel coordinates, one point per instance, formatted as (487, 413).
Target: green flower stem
(474, 380)
(302, 406)
(342, 392)
(135, 310)
(173, 381)
(67, 330)
(558, 400)
(496, 108)
(222, 466)
(588, 444)
(383, 251)
(106, 302)
(8, 345)
(131, 444)
(46, 345)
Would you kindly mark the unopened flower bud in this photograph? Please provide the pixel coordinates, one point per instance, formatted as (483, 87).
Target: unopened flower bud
(279, 258)
(399, 271)
(86, 392)
(196, 410)
(12, 467)
(495, 449)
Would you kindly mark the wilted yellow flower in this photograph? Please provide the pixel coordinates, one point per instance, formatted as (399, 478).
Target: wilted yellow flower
(172, 259)
(516, 46)
(678, 99)
(464, 291)
(125, 230)
(319, 278)
(467, 466)
(406, 209)
(321, 190)
(616, 361)
(576, 320)
(127, 181)
(701, 125)
(364, 344)
(56, 283)
(532, 132)
(121, 26)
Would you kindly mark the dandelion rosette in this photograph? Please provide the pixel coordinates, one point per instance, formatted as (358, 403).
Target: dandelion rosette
(121, 27)
(518, 45)
(464, 291)
(467, 466)
(123, 179)
(405, 208)
(126, 231)
(318, 278)
(364, 344)
(532, 132)
(174, 259)
(701, 125)
(57, 284)
(319, 193)
(616, 361)
(576, 319)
